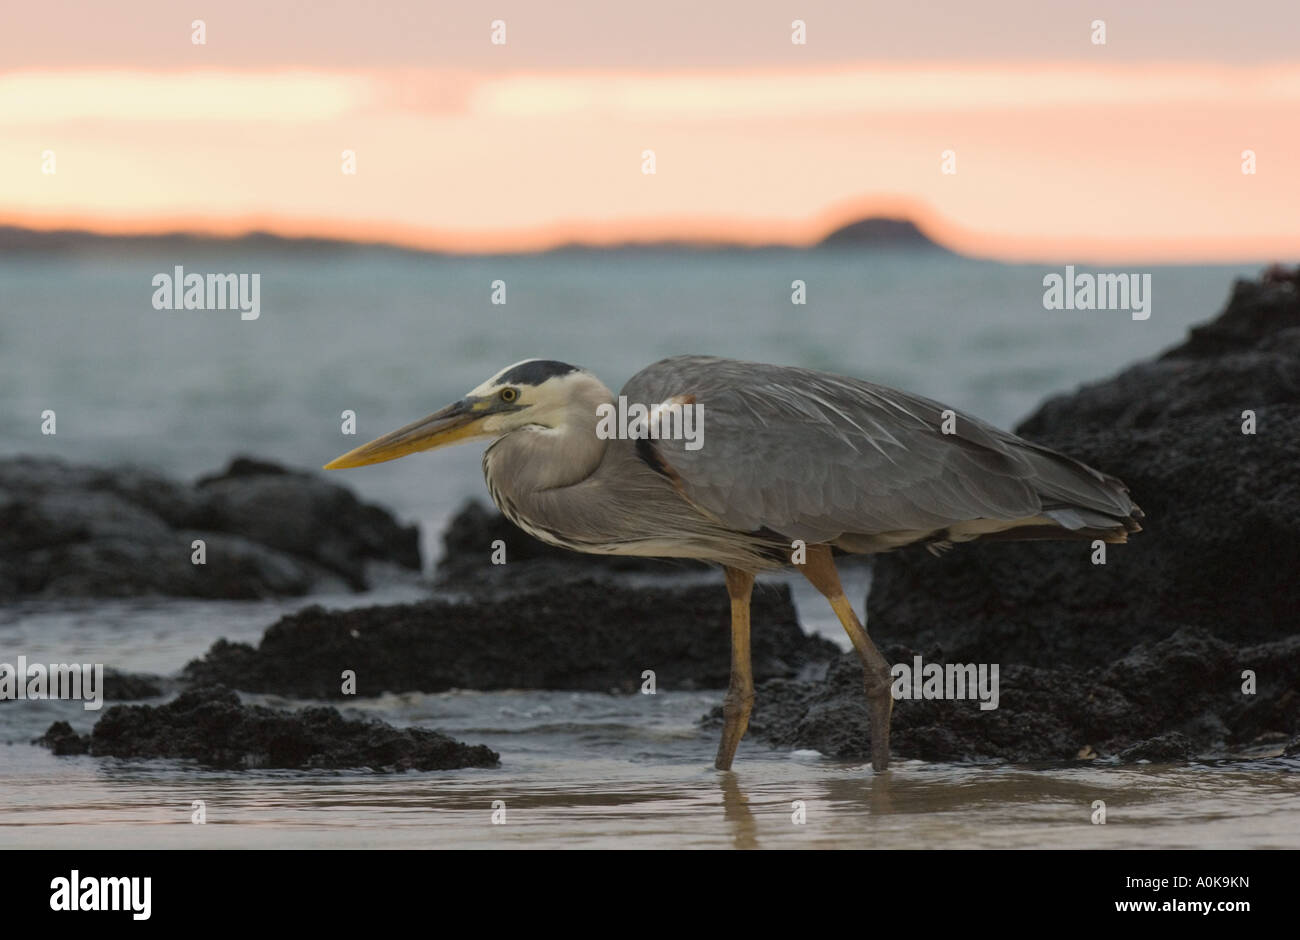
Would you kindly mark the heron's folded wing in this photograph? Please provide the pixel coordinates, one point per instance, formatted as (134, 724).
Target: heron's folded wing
(812, 456)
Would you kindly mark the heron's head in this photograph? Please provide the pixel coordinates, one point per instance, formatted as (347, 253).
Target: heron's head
(536, 393)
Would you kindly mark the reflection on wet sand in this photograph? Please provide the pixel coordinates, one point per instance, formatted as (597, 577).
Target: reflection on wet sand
(870, 793)
(736, 811)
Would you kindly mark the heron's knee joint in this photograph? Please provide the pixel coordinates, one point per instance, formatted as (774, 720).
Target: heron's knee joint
(738, 700)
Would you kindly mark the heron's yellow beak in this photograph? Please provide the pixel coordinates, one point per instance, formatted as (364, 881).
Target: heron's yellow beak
(457, 422)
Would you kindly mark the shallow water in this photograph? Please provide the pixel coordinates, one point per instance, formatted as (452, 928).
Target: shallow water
(578, 769)
(587, 770)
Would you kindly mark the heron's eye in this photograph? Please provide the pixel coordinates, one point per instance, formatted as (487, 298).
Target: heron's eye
(509, 394)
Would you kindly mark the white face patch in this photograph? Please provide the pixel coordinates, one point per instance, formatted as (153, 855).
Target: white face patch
(555, 390)
(544, 405)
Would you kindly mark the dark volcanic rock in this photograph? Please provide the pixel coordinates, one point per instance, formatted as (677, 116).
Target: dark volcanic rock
(466, 562)
(590, 635)
(62, 740)
(68, 530)
(1140, 658)
(1221, 546)
(1171, 748)
(132, 686)
(304, 516)
(1166, 701)
(211, 726)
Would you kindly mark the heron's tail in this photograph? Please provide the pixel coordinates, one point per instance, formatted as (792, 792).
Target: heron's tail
(1082, 503)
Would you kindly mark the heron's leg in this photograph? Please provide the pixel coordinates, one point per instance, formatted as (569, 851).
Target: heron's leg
(820, 570)
(740, 693)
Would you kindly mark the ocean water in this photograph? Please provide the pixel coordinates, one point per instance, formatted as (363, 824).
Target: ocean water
(392, 338)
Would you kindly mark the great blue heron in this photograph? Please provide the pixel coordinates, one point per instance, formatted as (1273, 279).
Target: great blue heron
(792, 464)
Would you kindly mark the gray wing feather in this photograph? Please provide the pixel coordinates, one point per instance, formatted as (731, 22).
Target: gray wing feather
(812, 455)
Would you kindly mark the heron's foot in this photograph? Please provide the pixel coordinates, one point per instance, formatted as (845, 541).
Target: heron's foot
(880, 710)
(735, 718)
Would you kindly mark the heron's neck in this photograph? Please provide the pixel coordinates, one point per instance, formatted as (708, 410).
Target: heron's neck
(561, 450)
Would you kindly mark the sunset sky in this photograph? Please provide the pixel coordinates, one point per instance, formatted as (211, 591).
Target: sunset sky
(1064, 149)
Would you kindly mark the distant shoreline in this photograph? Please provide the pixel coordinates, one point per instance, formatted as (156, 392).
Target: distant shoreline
(875, 233)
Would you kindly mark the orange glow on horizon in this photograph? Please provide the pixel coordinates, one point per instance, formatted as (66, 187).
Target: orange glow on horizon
(1055, 161)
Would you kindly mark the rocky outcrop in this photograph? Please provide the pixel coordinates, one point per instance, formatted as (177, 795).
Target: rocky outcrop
(1143, 655)
(211, 726)
(69, 530)
(133, 686)
(1168, 700)
(592, 635)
